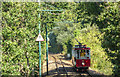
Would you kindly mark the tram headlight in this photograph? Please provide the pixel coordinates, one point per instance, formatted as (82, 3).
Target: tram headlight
(83, 63)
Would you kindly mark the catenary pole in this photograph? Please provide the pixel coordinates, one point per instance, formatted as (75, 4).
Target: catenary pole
(46, 48)
(39, 43)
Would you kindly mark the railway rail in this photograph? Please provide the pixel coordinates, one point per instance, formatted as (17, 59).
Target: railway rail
(89, 73)
(61, 63)
(58, 61)
(83, 72)
(56, 66)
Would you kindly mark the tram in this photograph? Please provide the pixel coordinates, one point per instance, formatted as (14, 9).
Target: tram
(81, 57)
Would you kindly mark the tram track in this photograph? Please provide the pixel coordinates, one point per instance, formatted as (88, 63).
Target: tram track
(57, 67)
(84, 73)
(89, 73)
(58, 62)
(63, 67)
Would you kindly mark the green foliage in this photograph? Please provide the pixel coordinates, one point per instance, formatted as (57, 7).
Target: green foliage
(110, 18)
(53, 45)
(93, 24)
(20, 29)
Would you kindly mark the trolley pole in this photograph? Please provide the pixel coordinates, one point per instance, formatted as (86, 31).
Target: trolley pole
(46, 48)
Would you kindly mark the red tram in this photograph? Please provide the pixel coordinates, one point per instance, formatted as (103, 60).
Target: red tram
(81, 57)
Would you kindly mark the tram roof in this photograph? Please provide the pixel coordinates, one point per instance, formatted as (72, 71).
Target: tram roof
(82, 48)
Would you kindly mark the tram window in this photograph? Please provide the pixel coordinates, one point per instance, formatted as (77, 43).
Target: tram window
(77, 53)
(82, 53)
(87, 52)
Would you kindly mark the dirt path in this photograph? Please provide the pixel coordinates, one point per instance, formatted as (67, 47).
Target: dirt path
(68, 65)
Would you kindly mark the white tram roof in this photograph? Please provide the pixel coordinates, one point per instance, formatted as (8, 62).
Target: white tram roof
(82, 47)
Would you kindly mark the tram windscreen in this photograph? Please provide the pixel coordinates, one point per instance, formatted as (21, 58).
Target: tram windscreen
(82, 53)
